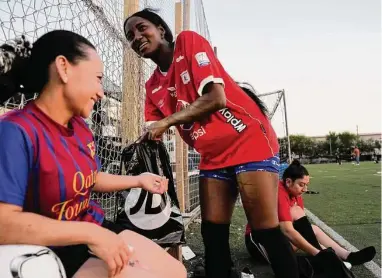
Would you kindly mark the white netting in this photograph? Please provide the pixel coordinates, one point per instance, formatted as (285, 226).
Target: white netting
(118, 118)
(276, 107)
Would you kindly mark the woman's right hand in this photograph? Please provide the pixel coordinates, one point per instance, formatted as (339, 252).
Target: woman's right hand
(110, 248)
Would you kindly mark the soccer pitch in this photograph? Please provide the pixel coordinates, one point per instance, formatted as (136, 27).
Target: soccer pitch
(349, 201)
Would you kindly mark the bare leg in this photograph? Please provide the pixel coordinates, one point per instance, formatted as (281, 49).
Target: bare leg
(151, 262)
(217, 200)
(296, 212)
(326, 241)
(95, 268)
(355, 258)
(259, 195)
(323, 239)
(258, 192)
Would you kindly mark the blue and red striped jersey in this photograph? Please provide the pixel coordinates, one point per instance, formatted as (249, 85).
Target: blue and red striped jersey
(47, 168)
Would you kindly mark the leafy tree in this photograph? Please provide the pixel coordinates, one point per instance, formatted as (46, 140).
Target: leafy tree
(302, 145)
(377, 144)
(366, 146)
(347, 140)
(332, 142)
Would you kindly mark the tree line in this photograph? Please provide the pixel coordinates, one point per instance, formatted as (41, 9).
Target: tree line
(342, 143)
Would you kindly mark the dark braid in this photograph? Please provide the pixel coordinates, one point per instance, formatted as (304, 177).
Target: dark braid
(14, 55)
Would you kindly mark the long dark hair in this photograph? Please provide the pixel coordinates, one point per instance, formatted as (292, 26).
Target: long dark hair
(25, 69)
(251, 92)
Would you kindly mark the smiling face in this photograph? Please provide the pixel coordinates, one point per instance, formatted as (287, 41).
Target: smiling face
(82, 82)
(298, 187)
(144, 37)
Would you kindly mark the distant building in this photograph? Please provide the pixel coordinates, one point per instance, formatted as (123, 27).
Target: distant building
(363, 136)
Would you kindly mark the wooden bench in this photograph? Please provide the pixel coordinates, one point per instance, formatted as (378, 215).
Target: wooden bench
(175, 251)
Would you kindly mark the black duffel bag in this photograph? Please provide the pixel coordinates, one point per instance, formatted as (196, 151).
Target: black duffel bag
(154, 216)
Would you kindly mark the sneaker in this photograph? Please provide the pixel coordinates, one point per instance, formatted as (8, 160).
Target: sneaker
(348, 265)
(246, 273)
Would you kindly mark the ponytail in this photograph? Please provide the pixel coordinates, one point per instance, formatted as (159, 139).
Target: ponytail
(251, 92)
(14, 58)
(23, 70)
(295, 171)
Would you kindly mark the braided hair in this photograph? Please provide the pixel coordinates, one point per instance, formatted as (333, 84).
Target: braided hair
(14, 55)
(24, 69)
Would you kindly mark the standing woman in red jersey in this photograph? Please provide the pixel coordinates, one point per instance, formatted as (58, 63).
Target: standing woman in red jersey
(239, 150)
(49, 166)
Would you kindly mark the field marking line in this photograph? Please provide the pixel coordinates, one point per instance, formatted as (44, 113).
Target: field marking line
(371, 266)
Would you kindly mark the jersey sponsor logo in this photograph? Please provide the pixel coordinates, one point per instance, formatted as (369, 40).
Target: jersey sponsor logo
(236, 123)
(70, 209)
(185, 77)
(194, 135)
(147, 211)
(172, 91)
(197, 133)
(180, 58)
(92, 149)
(156, 90)
(202, 59)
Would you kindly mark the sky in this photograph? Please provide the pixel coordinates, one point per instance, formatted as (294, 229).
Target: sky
(325, 54)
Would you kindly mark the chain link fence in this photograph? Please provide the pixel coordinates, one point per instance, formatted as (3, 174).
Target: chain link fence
(117, 120)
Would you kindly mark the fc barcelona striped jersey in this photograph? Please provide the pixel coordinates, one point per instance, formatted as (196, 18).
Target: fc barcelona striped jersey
(47, 168)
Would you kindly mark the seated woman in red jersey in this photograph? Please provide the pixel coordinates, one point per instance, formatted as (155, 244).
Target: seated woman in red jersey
(49, 167)
(191, 90)
(296, 226)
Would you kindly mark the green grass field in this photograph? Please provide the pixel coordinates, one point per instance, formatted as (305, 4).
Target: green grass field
(349, 202)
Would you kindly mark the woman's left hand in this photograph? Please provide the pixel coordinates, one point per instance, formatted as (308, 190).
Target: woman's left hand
(156, 130)
(153, 183)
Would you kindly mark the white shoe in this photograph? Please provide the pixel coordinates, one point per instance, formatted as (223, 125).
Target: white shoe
(348, 265)
(246, 273)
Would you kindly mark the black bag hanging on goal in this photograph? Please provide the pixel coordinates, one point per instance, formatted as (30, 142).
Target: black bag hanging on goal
(154, 216)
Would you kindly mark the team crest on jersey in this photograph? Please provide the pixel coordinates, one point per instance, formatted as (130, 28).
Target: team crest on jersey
(156, 90)
(180, 58)
(172, 91)
(161, 103)
(202, 59)
(185, 77)
(92, 149)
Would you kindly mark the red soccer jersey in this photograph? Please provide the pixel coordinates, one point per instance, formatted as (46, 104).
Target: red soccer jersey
(236, 134)
(285, 202)
(46, 168)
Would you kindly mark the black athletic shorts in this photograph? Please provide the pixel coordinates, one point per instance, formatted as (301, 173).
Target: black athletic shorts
(74, 256)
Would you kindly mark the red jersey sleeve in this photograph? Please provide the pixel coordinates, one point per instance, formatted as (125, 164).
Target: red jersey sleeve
(152, 113)
(284, 208)
(283, 204)
(202, 62)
